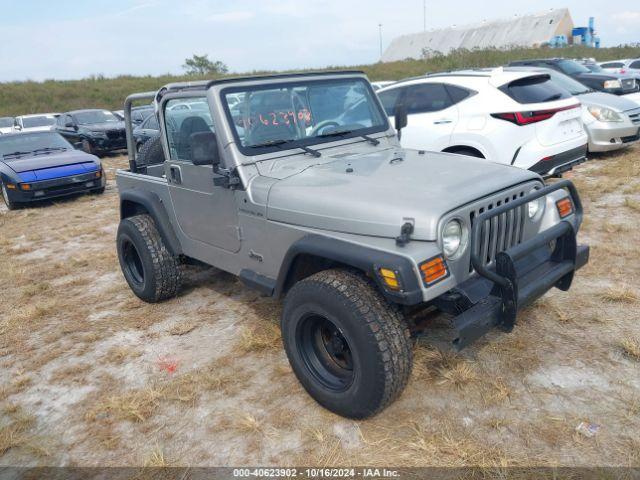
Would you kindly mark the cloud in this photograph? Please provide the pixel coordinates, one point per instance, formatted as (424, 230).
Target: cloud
(231, 17)
(628, 19)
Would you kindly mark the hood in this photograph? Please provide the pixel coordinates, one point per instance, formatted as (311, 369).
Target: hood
(385, 189)
(44, 161)
(608, 100)
(103, 127)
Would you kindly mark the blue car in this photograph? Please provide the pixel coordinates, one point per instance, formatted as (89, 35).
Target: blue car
(40, 165)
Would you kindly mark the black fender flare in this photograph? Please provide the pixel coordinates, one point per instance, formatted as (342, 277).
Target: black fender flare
(152, 204)
(366, 259)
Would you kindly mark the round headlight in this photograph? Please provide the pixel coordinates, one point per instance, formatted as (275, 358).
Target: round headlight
(454, 238)
(534, 207)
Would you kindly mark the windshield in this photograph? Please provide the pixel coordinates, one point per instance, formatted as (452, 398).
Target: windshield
(572, 86)
(39, 121)
(95, 116)
(6, 122)
(297, 114)
(30, 142)
(571, 68)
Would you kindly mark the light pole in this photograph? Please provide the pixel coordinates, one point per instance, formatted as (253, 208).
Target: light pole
(424, 15)
(380, 34)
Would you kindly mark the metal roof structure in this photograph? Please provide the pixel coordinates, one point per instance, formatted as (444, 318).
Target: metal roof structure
(532, 30)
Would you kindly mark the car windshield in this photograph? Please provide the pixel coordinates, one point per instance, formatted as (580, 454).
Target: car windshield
(32, 142)
(38, 121)
(302, 113)
(88, 117)
(571, 68)
(6, 122)
(572, 86)
(594, 67)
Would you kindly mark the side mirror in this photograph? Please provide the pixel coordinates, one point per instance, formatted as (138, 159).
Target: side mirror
(17, 127)
(400, 117)
(204, 148)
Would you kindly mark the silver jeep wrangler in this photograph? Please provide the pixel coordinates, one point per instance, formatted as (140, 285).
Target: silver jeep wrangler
(298, 185)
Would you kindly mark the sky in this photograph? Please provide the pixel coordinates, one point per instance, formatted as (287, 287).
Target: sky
(70, 39)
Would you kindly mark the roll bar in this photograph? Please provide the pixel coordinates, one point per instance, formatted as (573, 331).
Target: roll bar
(131, 144)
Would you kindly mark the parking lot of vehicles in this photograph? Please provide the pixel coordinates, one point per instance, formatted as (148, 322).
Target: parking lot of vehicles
(291, 203)
(618, 84)
(629, 65)
(95, 131)
(611, 121)
(38, 122)
(515, 118)
(37, 166)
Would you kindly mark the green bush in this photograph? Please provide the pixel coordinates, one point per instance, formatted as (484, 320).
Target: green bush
(18, 98)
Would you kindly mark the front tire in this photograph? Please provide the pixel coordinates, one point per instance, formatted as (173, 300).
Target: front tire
(347, 345)
(11, 205)
(151, 271)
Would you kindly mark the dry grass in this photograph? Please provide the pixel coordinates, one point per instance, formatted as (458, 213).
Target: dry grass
(632, 204)
(15, 433)
(183, 328)
(631, 348)
(260, 337)
(119, 354)
(620, 294)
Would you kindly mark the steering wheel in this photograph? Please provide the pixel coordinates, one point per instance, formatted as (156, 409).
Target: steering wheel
(321, 125)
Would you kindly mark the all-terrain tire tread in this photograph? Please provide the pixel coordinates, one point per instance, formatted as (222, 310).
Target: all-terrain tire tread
(385, 322)
(166, 267)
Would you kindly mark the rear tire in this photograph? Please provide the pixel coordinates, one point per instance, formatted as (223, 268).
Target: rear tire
(348, 346)
(151, 271)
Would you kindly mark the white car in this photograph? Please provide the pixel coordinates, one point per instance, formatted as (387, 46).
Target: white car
(629, 65)
(37, 122)
(381, 84)
(515, 118)
(6, 125)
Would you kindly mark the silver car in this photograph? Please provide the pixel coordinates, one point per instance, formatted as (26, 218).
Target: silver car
(611, 121)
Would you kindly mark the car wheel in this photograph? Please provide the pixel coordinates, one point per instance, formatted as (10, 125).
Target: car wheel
(151, 271)
(11, 205)
(151, 152)
(87, 147)
(347, 345)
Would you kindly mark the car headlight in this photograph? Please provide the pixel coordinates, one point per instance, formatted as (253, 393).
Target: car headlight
(605, 114)
(535, 206)
(612, 84)
(454, 239)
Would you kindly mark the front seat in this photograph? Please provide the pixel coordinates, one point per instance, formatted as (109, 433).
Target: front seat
(189, 126)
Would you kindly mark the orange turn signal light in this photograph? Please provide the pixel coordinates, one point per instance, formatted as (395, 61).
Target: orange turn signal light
(25, 186)
(433, 270)
(565, 207)
(11, 186)
(98, 173)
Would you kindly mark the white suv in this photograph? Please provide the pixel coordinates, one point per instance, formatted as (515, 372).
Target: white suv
(516, 118)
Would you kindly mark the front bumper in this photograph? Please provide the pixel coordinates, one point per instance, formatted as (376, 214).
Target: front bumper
(519, 275)
(106, 144)
(604, 137)
(59, 187)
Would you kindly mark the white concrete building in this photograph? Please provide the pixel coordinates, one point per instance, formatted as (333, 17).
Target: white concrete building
(531, 30)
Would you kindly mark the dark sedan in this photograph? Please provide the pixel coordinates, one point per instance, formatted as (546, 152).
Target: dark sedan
(615, 83)
(95, 131)
(40, 165)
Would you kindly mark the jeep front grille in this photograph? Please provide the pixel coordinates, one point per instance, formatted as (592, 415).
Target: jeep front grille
(500, 232)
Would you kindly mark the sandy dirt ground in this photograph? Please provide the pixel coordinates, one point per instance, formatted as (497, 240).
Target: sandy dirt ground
(91, 376)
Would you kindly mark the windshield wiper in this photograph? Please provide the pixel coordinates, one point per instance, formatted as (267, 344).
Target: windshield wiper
(342, 133)
(15, 154)
(48, 149)
(280, 142)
